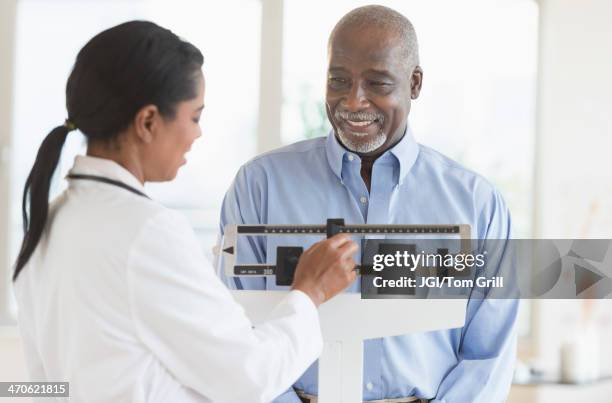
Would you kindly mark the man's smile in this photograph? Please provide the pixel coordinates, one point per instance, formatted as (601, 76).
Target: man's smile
(359, 123)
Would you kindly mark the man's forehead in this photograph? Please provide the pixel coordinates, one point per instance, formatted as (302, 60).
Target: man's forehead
(375, 55)
(382, 69)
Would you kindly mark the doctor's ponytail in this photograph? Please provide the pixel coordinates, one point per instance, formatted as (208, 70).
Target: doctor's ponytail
(37, 188)
(118, 72)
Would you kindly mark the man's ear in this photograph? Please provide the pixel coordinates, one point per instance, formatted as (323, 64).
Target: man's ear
(145, 123)
(416, 82)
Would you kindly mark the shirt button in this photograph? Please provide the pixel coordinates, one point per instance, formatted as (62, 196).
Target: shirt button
(363, 199)
(350, 157)
(369, 386)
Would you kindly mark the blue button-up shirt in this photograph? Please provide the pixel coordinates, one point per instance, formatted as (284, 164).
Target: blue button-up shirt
(313, 180)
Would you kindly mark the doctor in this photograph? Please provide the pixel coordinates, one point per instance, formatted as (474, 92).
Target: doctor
(114, 293)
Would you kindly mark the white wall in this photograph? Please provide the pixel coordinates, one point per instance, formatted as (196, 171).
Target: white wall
(574, 156)
(270, 99)
(8, 10)
(12, 367)
(574, 168)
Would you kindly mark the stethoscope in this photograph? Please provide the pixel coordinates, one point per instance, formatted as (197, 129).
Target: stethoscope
(107, 181)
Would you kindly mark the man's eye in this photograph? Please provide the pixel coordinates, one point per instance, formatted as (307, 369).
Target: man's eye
(379, 83)
(337, 80)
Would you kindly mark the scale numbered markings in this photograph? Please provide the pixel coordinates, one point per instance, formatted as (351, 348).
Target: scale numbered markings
(347, 229)
(334, 226)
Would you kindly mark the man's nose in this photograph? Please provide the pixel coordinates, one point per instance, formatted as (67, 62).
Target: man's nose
(356, 99)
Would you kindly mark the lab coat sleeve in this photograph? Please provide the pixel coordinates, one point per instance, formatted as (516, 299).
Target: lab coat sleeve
(33, 360)
(487, 351)
(244, 204)
(188, 319)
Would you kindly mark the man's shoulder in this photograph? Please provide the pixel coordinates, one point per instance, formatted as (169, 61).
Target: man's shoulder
(452, 171)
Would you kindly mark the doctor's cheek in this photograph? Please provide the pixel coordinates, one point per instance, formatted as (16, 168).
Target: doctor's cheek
(192, 137)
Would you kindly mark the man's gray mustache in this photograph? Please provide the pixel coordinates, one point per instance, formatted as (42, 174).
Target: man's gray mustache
(358, 116)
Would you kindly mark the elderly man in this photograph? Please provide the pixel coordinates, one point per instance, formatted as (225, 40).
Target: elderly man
(370, 170)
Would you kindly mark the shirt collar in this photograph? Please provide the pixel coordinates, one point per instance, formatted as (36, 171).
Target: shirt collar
(104, 167)
(405, 152)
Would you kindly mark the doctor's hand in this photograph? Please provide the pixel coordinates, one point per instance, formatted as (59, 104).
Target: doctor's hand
(326, 268)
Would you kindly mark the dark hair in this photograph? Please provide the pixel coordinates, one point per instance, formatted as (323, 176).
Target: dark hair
(116, 73)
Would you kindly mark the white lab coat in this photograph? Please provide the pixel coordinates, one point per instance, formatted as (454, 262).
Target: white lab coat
(119, 300)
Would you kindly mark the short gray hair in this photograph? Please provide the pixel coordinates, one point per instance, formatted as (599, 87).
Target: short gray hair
(386, 19)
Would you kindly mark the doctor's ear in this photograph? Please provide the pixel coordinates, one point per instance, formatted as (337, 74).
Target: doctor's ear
(146, 121)
(416, 82)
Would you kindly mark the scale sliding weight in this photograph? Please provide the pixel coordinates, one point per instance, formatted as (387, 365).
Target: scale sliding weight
(287, 256)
